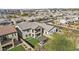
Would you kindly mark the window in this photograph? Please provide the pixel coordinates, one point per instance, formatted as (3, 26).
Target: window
(38, 34)
(45, 32)
(56, 30)
(37, 30)
(28, 30)
(29, 34)
(15, 34)
(12, 34)
(32, 34)
(26, 35)
(32, 30)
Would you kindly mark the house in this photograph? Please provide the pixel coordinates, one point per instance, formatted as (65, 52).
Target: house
(63, 21)
(17, 20)
(26, 29)
(5, 22)
(48, 29)
(34, 29)
(68, 20)
(8, 34)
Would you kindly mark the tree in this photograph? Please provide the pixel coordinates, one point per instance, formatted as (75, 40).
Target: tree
(60, 43)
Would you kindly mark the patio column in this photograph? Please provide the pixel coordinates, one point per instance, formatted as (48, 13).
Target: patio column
(0, 45)
(13, 42)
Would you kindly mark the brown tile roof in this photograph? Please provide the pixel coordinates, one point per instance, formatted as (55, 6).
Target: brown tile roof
(4, 30)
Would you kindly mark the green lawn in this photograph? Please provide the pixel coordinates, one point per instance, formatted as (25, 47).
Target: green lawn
(18, 48)
(33, 41)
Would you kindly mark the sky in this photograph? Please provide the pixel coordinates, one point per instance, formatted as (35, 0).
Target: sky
(39, 4)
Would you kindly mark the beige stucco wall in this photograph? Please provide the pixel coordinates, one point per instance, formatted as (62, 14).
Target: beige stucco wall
(13, 36)
(32, 33)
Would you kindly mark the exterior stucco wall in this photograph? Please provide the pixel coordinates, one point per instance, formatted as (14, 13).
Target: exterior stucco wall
(32, 33)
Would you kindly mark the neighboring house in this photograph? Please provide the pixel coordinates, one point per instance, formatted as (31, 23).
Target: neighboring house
(34, 29)
(26, 29)
(63, 21)
(68, 21)
(8, 34)
(17, 20)
(5, 22)
(76, 19)
(48, 29)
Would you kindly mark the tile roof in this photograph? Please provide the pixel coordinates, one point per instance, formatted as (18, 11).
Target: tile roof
(45, 26)
(33, 25)
(4, 30)
(27, 25)
(5, 21)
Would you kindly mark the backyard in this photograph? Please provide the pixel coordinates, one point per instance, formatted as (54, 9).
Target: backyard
(32, 41)
(59, 42)
(17, 48)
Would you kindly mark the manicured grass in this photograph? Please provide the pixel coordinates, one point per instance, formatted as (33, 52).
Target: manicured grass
(33, 41)
(18, 48)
